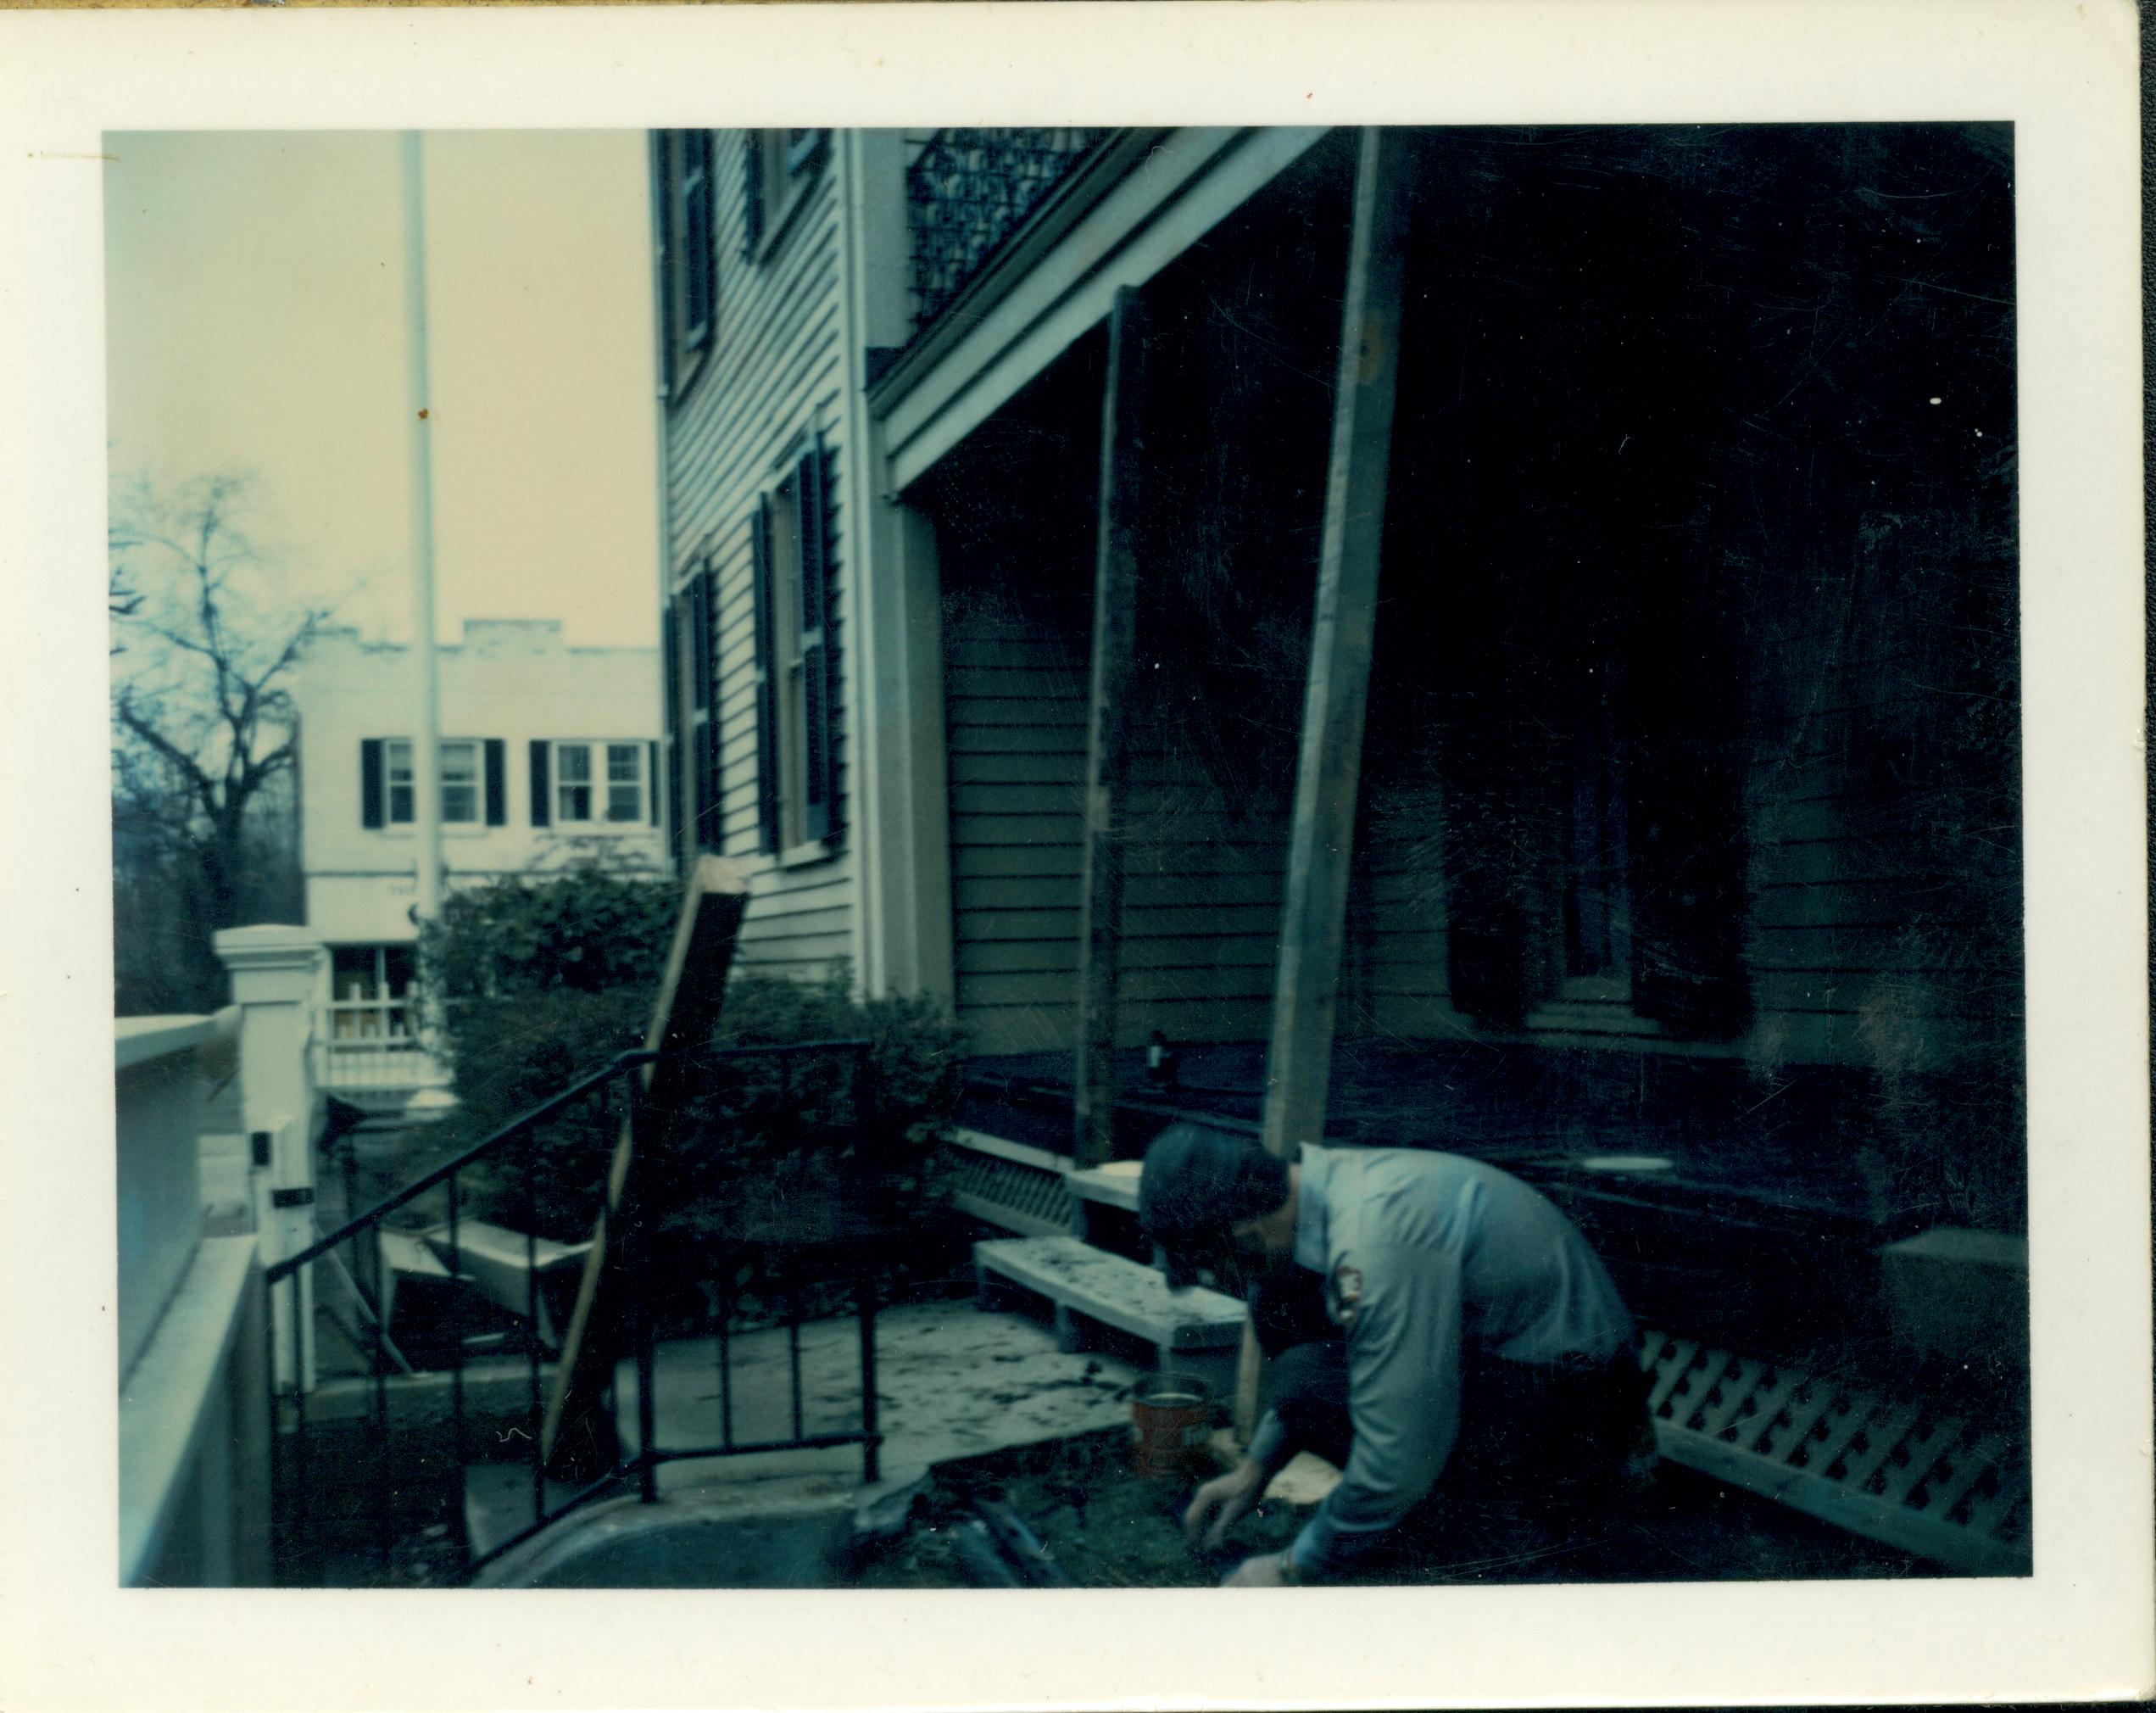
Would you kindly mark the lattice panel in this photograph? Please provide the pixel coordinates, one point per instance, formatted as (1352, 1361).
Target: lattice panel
(1019, 1197)
(1894, 1471)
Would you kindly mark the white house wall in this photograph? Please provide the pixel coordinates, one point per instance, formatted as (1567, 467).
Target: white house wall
(512, 680)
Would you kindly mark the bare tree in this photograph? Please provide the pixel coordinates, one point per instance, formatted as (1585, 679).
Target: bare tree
(205, 639)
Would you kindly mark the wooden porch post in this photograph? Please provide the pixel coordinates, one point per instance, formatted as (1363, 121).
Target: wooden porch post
(1115, 591)
(1321, 837)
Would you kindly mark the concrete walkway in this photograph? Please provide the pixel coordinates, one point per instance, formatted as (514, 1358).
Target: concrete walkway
(952, 1381)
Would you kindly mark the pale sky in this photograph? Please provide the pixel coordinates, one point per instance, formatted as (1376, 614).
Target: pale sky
(256, 322)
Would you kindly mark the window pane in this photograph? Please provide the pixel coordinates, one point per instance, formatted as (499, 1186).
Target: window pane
(459, 782)
(352, 971)
(575, 803)
(575, 764)
(397, 766)
(624, 803)
(624, 763)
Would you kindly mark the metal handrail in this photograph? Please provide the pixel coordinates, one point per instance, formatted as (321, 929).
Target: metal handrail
(519, 1131)
(538, 1114)
(449, 1168)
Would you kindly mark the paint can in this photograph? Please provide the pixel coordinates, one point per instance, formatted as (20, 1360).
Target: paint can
(1170, 1420)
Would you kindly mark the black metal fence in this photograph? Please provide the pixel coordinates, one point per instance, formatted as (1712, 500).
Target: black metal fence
(368, 1472)
(969, 189)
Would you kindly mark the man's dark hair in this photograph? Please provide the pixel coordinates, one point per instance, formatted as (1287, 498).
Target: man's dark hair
(1198, 1184)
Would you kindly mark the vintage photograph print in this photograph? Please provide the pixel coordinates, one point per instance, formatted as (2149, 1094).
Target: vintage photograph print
(1131, 858)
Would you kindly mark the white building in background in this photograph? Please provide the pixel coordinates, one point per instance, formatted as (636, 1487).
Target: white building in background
(548, 757)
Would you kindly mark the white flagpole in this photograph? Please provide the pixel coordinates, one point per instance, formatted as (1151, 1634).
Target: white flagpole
(426, 767)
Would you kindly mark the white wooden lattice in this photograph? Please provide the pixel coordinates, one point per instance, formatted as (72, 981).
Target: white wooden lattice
(1896, 1472)
(1014, 1194)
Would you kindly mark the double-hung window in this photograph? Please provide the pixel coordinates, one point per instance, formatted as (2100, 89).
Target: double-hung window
(693, 780)
(688, 256)
(471, 772)
(598, 784)
(797, 688)
(401, 798)
(459, 783)
(777, 168)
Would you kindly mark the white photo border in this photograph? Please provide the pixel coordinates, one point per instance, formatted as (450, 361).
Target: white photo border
(2066, 75)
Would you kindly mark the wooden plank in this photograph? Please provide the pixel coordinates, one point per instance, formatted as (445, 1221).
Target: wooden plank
(1314, 913)
(1115, 600)
(682, 1015)
(1328, 771)
(1122, 1293)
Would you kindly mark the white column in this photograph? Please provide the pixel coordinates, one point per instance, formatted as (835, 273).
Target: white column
(276, 972)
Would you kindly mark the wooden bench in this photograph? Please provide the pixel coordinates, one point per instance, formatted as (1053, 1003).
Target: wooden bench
(500, 1265)
(1196, 1332)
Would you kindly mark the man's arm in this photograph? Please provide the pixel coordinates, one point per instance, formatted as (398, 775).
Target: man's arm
(1403, 1354)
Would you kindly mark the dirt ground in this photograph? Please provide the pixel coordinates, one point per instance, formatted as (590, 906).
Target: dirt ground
(1108, 1527)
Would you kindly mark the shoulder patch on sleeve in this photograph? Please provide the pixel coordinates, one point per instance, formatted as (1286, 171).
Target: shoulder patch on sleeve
(1343, 1293)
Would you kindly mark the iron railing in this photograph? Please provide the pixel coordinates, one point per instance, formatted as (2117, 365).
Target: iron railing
(322, 1538)
(968, 189)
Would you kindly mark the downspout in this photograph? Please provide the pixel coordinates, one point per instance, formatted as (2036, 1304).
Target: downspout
(654, 189)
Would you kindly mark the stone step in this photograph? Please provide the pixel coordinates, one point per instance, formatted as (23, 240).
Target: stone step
(1196, 1330)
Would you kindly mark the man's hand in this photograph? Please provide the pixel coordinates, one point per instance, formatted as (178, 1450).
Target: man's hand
(1219, 1504)
(1261, 1572)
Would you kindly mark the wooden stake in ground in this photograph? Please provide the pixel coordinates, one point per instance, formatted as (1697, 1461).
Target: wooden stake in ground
(1115, 595)
(682, 1018)
(1321, 835)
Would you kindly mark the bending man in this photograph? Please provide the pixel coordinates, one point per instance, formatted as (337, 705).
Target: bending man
(1470, 1314)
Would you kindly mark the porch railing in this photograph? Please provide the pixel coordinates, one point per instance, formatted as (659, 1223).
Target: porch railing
(370, 1044)
(970, 188)
(356, 1533)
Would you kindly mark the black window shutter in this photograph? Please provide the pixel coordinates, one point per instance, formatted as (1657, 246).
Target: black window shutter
(663, 182)
(670, 720)
(497, 783)
(769, 667)
(1503, 815)
(712, 780)
(370, 781)
(697, 238)
(542, 806)
(651, 778)
(818, 797)
(752, 191)
(703, 755)
(1690, 855)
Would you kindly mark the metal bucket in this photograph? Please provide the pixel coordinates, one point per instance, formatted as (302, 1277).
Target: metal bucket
(1171, 1420)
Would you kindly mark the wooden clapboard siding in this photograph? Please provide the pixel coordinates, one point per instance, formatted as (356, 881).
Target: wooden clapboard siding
(1014, 700)
(774, 383)
(1882, 913)
(1395, 978)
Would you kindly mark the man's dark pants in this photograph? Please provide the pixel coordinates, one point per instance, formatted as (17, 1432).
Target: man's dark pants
(1547, 1445)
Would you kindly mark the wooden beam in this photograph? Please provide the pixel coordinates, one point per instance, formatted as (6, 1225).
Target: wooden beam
(575, 1433)
(1115, 594)
(1321, 837)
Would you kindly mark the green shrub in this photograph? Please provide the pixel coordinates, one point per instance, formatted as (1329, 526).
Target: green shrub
(541, 982)
(585, 928)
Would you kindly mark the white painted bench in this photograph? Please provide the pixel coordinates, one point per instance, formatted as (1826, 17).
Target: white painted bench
(1196, 1331)
(501, 1264)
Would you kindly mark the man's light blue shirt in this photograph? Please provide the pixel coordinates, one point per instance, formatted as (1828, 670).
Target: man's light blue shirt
(1423, 1255)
